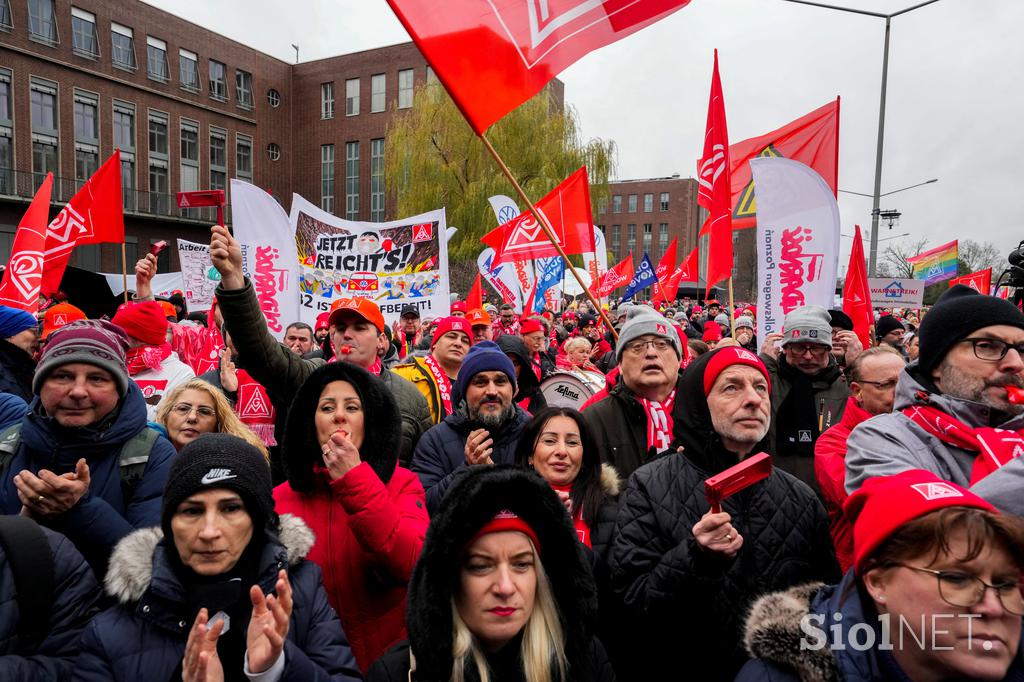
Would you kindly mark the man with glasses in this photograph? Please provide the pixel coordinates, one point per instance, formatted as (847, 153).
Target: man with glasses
(889, 331)
(953, 412)
(873, 376)
(634, 423)
(809, 391)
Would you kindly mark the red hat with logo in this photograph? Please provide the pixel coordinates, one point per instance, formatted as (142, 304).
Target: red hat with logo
(506, 520)
(452, 324)
(712, 332)
(478, 317)
(459, 307)
(727, 357)
(530, 325)
(322, 321)
(145, 321)
(884, 503)
(60, 315)
(363, 307)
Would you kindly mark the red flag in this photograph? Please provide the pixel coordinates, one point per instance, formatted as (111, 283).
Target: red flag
(685, 272)
(567, 209)
(713, 178)
(526, 43)
(617, 276)
(19, 287)
(691, 268)
(980, 281)
(528, 308)
(666, 268)
(94, 215)
(475, 297)
(856, 293)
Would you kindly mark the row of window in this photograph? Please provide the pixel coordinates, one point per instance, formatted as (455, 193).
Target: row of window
(614, 239)
(631, 199)
(352, 179)
(378, 96)
(85, 42)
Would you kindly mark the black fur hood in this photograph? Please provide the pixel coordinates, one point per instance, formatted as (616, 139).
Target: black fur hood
(382, 425)
(474, 499)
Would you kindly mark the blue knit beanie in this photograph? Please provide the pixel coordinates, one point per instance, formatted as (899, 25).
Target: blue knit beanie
(484, 356)
(13, 321)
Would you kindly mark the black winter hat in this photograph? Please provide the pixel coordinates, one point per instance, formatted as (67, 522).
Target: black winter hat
(959, 312)
(886, 324)
(220, 460)
(841, 320)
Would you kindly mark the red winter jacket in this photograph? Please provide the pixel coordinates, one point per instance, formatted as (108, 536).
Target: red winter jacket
(830, 470)
(368, 538)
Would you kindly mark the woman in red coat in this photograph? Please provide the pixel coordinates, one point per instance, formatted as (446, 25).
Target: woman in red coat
(369, 515)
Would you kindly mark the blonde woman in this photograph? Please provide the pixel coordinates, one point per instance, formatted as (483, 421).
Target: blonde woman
(502, 591)
(197, 407)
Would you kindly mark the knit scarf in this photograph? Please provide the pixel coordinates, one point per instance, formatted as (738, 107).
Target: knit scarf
(659, 422)
(441, 380)
(142, 358)
(995, 447)
(582, 527)
(254, 408)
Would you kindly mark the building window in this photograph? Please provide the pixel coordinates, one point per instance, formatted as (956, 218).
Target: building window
(631, 240)
(243, 157)
(378, 85)
(243, 89)
(602, 206)
(156, 60)
(352, 180)
(5, 15)
(664, 202)
(648, 236)
(159, 190)
(218, 81)
(431, 76)
(616, 243)
(273, 151)
(128, 194)
(158, 144)
(405, 81)
(87, 136)
(377, 180)
(617, 203)
(218, 158)
(45, 136)
(662, 237)
(189, 167)
(188, 63)
(352, 97)
(159, 161)
(327, 177)
(122, 46)
(648, 203)
(631, 207)
(124, 126)
(83, 33)
(327, 100)
(42, 24)
(274, 98)
(6, 136)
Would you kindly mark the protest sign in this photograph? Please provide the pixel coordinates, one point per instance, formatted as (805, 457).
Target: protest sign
(889, 292)
(199, 277)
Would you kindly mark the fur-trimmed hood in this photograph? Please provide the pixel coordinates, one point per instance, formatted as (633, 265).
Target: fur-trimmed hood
(382, 422)
(131, 564)
(773, 634)
(611, 482)
(473, 499)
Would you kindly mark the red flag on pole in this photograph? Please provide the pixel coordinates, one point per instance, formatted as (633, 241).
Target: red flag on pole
(980, 281)
(666, 268)
(856, 293)
(19, 287)
(617, 276)
(93, 216)
(685, 272)
(714, 194)
(475, 297)
(526, 43)
(690, 270)
(567, 208)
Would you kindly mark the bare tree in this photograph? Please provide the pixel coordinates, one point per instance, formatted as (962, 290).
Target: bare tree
(976, 256)
(895, 256)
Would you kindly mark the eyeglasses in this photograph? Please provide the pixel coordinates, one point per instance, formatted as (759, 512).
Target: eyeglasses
(880, 385)
(184, 410)
(815, 349)
(993, 350)
(966, 590)
(639, 347)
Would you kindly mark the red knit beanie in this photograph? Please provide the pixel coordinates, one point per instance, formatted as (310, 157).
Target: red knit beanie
(727, 357)
(506, 520)
(530, 325)
(884, 503)
(451, 324)
(144, 321)
(712, 332)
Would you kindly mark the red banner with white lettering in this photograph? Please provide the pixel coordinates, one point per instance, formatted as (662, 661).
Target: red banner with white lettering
(19, 287)
(980, 281)
(617, 276)
(857, 293)
(567, 209)
(713, 179)
(493, 56)
(93, 216)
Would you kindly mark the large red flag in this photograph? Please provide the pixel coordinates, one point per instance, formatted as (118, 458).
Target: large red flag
(686, 272)
(980, 281)
(666, 267)
(617, 276)
(714, 194)
(567, 209)
(94, 215)
(474, 299)
(856, 293)
(493, 56)
(19, 287)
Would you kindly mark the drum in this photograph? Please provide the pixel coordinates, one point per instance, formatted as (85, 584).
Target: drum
(570, 389)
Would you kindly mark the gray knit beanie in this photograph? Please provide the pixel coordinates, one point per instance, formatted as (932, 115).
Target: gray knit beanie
(744, 321)
(647, 323)
(808, 324)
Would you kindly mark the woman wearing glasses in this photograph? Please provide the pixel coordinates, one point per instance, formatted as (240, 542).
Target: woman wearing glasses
(935, 594)
(197, 407)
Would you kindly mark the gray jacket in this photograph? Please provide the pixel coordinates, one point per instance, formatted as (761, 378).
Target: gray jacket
(891, 443)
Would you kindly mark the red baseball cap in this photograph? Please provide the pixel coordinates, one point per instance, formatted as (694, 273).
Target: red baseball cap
(478, 317)
(452, 324)
(363, 307)
(60, 315)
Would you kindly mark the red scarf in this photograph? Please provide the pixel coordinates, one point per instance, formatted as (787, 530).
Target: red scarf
(254, 408)
(444, 384)
(659, 422)
(535, 361)
(995, 447)
(582, 527)
(142, 358)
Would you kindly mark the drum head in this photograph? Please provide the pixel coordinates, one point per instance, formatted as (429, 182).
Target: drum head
(563, 389)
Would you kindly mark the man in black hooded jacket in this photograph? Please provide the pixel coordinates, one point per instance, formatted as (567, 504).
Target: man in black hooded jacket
(689, 575)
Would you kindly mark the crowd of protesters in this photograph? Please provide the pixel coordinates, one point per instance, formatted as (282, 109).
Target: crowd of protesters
(187, 497)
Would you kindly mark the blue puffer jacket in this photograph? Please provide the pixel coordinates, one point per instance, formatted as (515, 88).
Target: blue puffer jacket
(441, 452)
(102, 517)
(144, 636)
(74, 604)
(12, 409)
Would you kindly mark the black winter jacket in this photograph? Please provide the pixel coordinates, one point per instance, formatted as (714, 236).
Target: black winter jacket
(16, 371)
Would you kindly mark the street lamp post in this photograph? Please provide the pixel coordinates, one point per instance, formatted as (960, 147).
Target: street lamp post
(873, 255)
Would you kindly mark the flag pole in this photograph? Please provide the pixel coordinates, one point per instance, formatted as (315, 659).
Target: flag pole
(732, 310)
(124, 270)
(547, 231)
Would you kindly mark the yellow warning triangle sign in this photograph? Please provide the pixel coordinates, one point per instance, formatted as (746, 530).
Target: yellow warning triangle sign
(746, 207)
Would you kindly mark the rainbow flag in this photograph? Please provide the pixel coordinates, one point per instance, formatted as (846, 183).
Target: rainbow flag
(936, 265)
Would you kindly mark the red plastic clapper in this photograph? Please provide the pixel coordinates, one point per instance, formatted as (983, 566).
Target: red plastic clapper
(1015, 395)
(736, 478)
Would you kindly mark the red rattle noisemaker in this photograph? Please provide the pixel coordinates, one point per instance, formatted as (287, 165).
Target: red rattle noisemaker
(736, 478)
(1015, 395)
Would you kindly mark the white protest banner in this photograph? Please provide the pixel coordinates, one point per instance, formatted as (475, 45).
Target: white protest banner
(797, 240)
(163, 284)
(505, 209)
(393, 264)
(502, 278)
(268, 254)
(596, 264)
(896, 292)
(199, 277)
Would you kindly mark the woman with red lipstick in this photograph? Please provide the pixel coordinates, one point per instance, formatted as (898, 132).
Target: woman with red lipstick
(197, 407)
(934, 594)
(502, 591)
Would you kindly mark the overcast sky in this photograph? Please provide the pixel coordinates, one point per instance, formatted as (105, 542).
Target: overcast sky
(955, 106)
